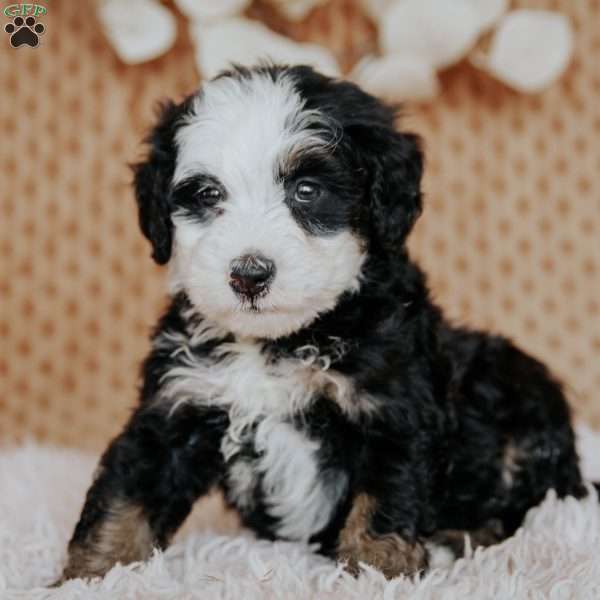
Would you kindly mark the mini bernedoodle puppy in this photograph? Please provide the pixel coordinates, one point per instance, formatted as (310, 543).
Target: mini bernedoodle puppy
(302, 367)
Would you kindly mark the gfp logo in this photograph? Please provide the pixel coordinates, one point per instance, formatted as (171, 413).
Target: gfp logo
(25, 29)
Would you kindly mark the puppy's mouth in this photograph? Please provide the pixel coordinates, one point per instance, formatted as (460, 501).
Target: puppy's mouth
(251, 298)
(254, 303)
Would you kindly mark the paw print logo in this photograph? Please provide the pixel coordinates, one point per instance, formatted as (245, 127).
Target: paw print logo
(24, 32)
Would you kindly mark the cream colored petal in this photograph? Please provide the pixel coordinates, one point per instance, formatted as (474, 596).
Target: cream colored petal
(441, 32)
(296, 10)
(375, 8)
(245, 41)
(142, 32)
(488, 11)
(211, 9)
(530, 49)
(397, 78)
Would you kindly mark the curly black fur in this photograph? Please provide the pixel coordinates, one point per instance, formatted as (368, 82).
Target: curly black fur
(467, 429)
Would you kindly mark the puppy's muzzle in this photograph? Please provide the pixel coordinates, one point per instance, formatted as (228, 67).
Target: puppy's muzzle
(251, 274)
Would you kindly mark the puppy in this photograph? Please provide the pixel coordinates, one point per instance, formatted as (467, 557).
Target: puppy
(302, 367)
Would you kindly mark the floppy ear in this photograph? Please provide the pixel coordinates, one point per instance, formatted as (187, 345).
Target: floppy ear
(152, 182)
(396, 169)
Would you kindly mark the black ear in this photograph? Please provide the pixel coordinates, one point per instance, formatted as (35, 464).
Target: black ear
(153, 178)
(396, 166)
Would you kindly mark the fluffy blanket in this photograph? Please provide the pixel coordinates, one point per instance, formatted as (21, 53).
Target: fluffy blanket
(556, 554)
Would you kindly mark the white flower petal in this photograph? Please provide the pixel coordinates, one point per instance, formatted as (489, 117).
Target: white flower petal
(296, 10)
(396, 77)
(375, 8)
(488, 11)
(245, 41)
(142, 32)
(210, 9)
(530, 49)
(441, 32)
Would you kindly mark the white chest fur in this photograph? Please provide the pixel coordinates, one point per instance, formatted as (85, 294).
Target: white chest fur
(293, 488)
(261, 399)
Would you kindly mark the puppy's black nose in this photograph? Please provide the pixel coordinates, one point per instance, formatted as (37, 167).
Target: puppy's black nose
(251, 274)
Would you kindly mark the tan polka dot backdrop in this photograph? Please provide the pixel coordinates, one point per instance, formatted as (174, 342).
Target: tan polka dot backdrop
(510, 235)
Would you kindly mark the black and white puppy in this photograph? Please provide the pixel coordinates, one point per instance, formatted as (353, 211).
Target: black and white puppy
(302, 367)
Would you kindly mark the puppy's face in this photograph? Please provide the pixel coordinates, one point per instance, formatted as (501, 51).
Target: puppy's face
(268, 190)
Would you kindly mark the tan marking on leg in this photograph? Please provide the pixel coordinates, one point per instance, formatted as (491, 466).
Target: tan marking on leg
(455, 539)
(124, 536)
(391, 554)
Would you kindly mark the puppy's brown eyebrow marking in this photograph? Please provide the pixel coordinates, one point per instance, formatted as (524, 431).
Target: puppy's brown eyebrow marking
(313, 137)
(390, 553)
(297, 159)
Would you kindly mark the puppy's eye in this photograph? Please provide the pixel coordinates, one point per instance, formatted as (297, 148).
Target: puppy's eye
(210, 194)
(307, 191)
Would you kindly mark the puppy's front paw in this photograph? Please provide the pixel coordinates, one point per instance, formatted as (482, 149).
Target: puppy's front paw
(58, 582)
(390, 554)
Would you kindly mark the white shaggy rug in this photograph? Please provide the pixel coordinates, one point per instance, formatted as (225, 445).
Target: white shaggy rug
(556, 555)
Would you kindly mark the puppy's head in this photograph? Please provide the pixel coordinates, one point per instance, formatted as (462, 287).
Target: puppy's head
(267, 190)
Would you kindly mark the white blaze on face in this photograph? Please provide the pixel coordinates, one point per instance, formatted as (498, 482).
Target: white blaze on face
(241, 132)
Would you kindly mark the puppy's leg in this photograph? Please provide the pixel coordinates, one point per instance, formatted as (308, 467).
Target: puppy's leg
(389, 552)
(145, 486)
(448, 545)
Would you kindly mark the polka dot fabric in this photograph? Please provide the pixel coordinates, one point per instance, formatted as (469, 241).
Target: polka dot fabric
(510, 235)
